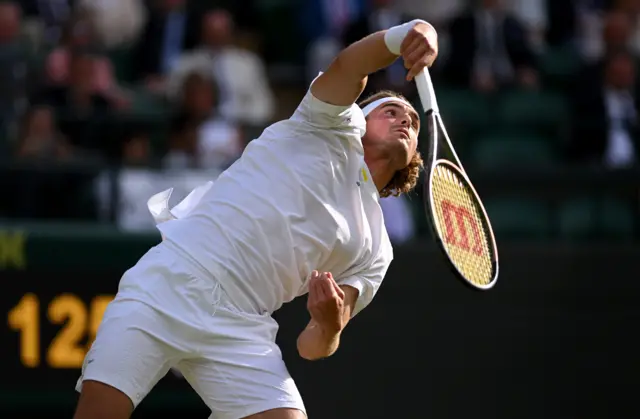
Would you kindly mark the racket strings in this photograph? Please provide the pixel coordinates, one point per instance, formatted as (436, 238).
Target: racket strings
(460, 224)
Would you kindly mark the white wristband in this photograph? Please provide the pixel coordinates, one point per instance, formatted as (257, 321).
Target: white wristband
(394, 36)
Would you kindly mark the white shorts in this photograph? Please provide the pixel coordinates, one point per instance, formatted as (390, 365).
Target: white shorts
(167, 316)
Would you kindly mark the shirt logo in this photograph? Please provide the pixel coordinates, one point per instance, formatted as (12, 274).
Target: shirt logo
(364, 174)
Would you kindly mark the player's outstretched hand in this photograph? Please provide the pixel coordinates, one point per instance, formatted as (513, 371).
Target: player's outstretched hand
(419, 49)
(326, 302)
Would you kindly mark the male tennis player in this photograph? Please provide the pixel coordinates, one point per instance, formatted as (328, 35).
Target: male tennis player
(297, 213)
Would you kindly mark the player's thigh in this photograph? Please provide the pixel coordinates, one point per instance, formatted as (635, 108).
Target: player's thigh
(130, 354)
(240, 381)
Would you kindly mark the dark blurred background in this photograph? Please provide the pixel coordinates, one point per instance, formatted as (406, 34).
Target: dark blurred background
(105, 102)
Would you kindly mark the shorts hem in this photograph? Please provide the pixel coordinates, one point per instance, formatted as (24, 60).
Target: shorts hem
(127, 390)
(260, 408)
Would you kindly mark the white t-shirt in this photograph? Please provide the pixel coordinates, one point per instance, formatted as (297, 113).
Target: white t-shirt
(299, 199)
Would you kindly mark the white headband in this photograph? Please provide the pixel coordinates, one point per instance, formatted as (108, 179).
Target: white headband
(367, 109)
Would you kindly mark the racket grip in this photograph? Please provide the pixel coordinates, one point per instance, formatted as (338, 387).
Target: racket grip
(426, 92)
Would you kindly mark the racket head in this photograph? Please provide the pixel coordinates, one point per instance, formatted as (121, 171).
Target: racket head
(460, 225)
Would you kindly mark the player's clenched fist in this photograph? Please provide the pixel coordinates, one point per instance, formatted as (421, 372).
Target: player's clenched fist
(326, 301)
(419, 48)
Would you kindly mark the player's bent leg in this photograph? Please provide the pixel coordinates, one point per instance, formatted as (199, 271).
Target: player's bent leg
(101, 401)
(239, 372)
(252, 388)
(130, 355)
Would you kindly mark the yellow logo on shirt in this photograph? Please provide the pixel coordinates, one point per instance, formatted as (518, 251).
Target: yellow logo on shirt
(364, 175)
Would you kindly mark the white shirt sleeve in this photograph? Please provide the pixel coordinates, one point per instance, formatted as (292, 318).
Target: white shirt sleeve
(368, 281)
(321, 115)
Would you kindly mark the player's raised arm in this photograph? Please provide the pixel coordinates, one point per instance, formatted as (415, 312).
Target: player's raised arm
(346, 77)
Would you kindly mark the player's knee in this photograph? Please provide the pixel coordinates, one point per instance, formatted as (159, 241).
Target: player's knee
(101, 401)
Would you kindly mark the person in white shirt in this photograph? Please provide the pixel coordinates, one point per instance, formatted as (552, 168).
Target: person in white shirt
(298, 212)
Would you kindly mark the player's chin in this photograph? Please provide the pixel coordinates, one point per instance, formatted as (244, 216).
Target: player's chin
(403, 155)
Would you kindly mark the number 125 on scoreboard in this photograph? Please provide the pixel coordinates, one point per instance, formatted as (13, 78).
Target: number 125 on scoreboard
(77, 325)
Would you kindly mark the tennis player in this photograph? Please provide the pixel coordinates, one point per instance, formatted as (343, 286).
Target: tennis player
(297, 213)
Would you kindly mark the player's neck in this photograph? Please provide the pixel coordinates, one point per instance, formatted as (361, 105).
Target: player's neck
(381, 172)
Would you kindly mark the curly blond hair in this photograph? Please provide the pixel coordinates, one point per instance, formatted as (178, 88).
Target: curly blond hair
(404, 180)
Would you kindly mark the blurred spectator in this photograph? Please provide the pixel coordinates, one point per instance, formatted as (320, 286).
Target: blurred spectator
(51, 16)
(322, 23)
(380, 15)
(613, 33)
(169, 31)
(17, 72)
(605, 124)
(84, 110)
(490, 49)
(533, 15)
(137, 180)
(244, 92)
(134, 183)
(79, 34)
(183, 143)
(39, 137)
(136, 148)
(216, 141)
(631, 8)
(117, 22)
(43, 187)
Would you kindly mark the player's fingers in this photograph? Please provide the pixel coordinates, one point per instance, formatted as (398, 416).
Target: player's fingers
(321, 294)
(339, 290)
(408, 52)
(327, 286)
(313, 294)
(416, 55)
(336, 287)
(417, 68)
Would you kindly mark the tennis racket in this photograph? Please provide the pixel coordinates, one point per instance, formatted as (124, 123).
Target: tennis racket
(454, 209)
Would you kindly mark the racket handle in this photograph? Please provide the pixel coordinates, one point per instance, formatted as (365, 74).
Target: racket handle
(426, 92)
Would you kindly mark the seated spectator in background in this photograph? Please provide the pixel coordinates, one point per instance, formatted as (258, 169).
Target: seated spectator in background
(39, 137)
(117, 23)
(79, 34)
(217, 141)
(631, 8)
(51, 16)
(605, 116)
(84, 112)
(245, 96)
(47, 194)
(612, 33)
(137, 179)
(321, 24)
(134, 180)
(171, 29)
(17, 70)
(490, 49)
(183, 143)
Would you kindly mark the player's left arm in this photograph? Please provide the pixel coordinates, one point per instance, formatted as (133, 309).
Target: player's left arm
(332, 304)
(331, 307)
